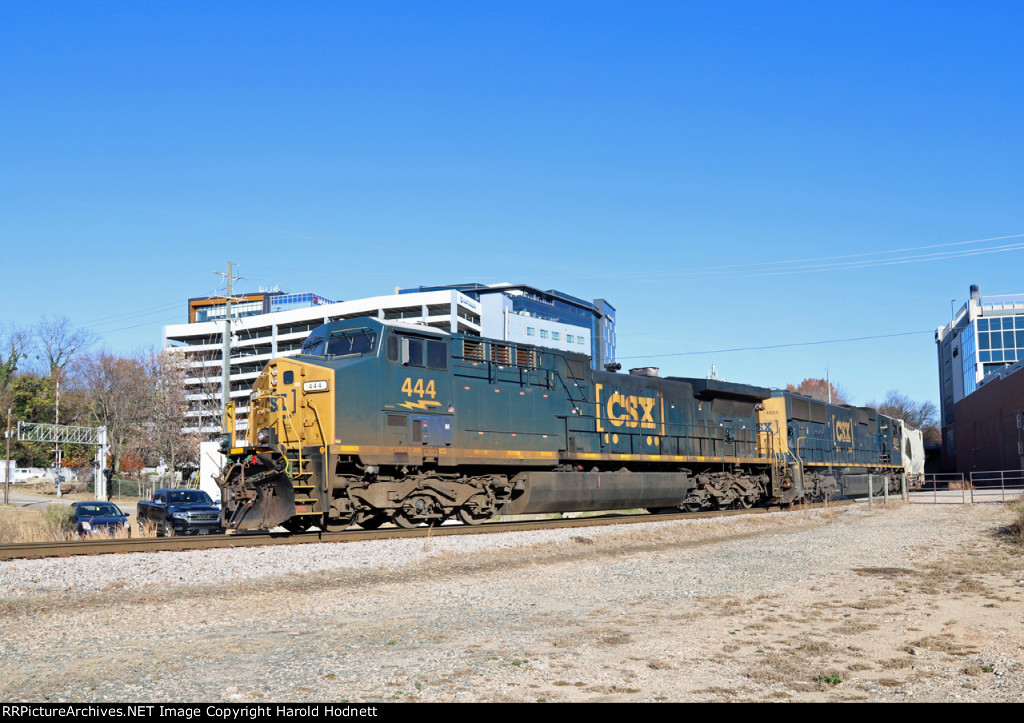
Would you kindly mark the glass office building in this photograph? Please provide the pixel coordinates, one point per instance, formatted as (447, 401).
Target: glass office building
(985, 336)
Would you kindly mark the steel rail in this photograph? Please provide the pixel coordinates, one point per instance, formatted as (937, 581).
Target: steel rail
(69, 548)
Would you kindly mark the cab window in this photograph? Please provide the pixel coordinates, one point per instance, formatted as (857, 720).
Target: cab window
(414, 355)
(418, 352)
(351, 343)
(314, 346)
(437, 355)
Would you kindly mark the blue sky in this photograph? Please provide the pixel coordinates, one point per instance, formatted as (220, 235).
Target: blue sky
(678, 159)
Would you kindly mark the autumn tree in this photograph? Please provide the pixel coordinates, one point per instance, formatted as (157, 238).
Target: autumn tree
(121, 399)
(819, 389)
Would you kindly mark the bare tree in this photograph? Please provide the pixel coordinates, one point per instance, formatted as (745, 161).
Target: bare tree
(920, 415)
(204, 390)
(61, 343)
(168, 425)
(819, 389)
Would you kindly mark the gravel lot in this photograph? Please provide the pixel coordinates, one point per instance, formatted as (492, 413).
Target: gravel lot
(905, 603)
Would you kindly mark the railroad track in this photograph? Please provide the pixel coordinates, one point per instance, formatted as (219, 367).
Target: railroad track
(68, 548)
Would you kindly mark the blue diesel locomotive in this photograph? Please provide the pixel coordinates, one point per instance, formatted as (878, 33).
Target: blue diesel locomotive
(379, 422)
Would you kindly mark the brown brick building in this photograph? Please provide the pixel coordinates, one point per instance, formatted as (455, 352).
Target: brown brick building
(990, 424)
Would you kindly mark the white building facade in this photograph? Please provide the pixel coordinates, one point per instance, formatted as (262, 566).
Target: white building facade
(267, 325)
(258, 338)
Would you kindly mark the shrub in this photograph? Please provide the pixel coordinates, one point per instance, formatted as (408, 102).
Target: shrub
(56, 522)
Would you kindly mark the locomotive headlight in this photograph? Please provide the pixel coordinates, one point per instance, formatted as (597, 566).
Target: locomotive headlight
(261, 437)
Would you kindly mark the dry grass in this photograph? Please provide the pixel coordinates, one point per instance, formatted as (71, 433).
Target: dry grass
(945, 643)
(19, 524)
(16, 524)
(854, 627)
(48, 524)
(1016, 528)
(43, 523)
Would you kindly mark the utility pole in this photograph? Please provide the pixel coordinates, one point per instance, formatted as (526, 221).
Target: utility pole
(225, 375)
(7, 459)
(56, 445)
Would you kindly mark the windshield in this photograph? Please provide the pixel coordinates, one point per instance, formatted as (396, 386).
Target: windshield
(351, 342)
(314, 346)
(99, 510)
(198, 496)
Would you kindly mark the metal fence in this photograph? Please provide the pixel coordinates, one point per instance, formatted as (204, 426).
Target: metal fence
(975, 487)
(129, 488)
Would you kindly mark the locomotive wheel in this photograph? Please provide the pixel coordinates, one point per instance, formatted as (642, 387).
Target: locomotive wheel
(467, 517)
(419, 508)
(404, 521)
(337, 524)
(691, 507)
(476, 510)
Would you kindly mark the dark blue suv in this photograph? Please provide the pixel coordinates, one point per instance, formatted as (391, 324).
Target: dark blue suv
(90, 518)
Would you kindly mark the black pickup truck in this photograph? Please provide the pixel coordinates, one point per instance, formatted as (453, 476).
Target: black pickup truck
(180, 512)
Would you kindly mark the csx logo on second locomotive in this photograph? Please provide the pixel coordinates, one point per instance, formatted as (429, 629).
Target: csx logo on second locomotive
(844, 432)
(631, 410)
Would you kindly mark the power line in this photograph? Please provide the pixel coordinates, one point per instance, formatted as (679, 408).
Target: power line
(801, 267)
(131, 314)
(868, 253)
(135, 326)
(778, 346)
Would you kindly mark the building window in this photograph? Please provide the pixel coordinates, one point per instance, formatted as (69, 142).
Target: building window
(581, 339)
(555, 336)
(543, 334)
(568, 339)
(529, 331)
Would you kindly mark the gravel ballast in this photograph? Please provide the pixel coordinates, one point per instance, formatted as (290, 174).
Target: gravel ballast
(907, 602)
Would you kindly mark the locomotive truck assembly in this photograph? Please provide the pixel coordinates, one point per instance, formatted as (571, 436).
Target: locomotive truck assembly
(378, 422)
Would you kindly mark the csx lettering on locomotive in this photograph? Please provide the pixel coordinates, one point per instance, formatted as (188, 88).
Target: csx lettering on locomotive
(844, 432)
(630, 410)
